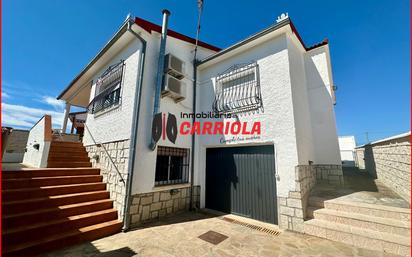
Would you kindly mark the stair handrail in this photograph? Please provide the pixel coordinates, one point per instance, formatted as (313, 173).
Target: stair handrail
(107, 153)
(59, 133)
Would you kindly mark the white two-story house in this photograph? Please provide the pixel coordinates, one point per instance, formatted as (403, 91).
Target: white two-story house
(248, 129)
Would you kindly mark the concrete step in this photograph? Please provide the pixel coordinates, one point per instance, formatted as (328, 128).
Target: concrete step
(49, 172)
(66, 143)
(69, 158)
(392, 226)
(68, 164)
(64, 154)
(67, 148)
(315, 201)
(375, 210)
(310, 210)
(46, 214)
(30, 193)
(47, 209)
(16, 183)
(359, 237)
(15, 207)
(63, 239)
(30, 232)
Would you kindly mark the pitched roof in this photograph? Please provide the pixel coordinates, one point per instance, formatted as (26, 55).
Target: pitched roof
(149, 27)
(307, 48)
(259, 34)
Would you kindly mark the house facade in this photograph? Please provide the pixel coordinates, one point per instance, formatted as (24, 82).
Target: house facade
(248, 129)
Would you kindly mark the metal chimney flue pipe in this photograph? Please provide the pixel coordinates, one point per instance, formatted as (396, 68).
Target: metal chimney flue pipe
(160, 69)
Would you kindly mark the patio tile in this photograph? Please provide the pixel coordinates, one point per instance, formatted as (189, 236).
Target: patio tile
(178, 236)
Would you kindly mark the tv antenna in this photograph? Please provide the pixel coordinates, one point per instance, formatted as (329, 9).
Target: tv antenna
(199, 9)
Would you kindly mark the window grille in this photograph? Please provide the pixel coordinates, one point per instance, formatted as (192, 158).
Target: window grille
(238, 90)
(108, 86)
(172, 166)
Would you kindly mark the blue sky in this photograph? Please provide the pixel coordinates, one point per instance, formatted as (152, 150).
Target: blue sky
(46, 43)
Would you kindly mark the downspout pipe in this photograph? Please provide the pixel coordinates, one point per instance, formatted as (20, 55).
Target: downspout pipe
(192, 168)
(160, 69)
(195, 62)
(135, 126)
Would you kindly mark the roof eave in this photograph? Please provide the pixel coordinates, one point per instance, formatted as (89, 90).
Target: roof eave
(247, 40)
(106, 47)
(272, 28)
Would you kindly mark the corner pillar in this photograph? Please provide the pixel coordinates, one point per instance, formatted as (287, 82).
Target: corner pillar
(66, 117)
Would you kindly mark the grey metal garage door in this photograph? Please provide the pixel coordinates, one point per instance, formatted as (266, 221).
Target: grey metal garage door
(241, 180)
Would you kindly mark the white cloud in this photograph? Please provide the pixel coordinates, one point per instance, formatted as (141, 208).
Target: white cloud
(25, 117)
(57, 104)
(4, 95)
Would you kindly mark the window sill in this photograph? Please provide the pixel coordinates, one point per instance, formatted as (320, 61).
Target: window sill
(104, 111)
(169, 187)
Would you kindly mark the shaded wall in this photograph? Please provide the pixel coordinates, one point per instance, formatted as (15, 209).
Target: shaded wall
(15, 146)
(390, 162)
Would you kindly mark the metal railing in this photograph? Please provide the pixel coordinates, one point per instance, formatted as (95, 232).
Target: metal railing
(110, 81)
(238, 89)
(172, 166)
(106, 99)
(107, 153)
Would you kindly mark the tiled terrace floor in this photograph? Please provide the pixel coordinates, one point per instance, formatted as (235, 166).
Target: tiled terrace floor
(178, 236)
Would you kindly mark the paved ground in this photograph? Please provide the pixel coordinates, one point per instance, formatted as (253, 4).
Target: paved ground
(178, 236)
(360, 187)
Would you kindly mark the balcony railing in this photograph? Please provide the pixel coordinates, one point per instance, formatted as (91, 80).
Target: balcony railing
(238, 90)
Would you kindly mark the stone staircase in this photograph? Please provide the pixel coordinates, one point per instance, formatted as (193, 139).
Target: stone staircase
(63, 154)
(371, 226)
(51, 208)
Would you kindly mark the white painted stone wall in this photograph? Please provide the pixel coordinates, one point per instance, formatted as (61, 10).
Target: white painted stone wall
(145, 165)
(321, 102)
(37, 157)
(115, 124)
(278, 126)
(301, 110)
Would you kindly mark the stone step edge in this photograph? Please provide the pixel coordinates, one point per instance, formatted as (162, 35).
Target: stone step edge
(52, 197)
(58, 221)
(5, 180)
(56, 208)
(50, 169)
(310, 211)
(371, 234)
(63, 235)
(363, 217)
(369, 206)
(40, 188)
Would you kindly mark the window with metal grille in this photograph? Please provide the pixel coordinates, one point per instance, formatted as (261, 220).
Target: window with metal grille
(172, 166)
(108, 86)
(238, 89)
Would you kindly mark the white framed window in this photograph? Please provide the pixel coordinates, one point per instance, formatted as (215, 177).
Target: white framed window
(172, 166)
(108, 89)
